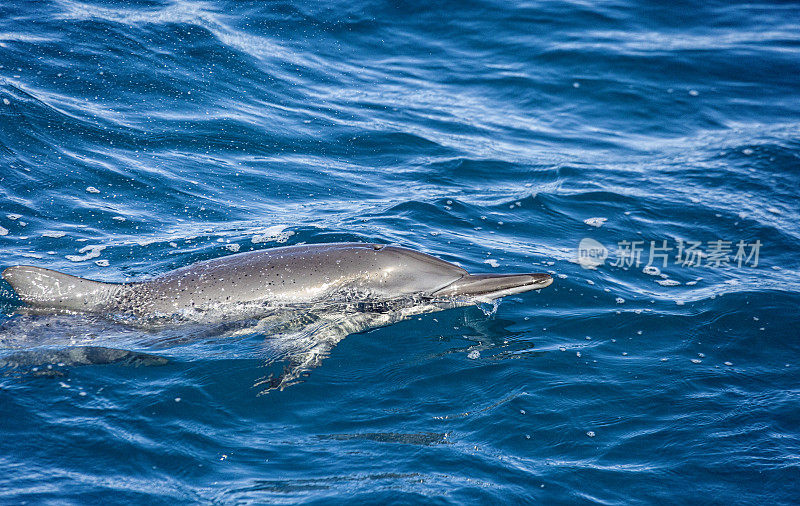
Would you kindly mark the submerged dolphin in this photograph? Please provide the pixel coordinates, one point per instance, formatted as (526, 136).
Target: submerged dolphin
(339, 272)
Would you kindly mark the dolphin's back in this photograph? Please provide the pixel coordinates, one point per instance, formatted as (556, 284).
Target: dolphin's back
(290, 274)
(303, 273)
(41, 287)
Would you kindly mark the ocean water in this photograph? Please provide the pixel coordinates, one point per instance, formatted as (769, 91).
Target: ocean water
(141, 136)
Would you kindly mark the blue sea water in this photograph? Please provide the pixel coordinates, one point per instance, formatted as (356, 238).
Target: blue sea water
(141, 136)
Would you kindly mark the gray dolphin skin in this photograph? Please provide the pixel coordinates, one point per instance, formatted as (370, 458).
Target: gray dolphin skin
(303, 274)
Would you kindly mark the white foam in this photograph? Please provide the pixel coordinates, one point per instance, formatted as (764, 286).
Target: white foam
(3, 230)
(13, 217)
(232, 247)
(276, 233)
(595, 222)
(651, 270)
(492, 262)
(53, 233)
(92, 251)
(668, 282)
(92, 189)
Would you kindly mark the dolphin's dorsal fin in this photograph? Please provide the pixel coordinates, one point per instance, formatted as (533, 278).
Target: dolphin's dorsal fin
(41, 287)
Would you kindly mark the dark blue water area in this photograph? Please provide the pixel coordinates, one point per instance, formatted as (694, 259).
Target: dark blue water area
(141, 136)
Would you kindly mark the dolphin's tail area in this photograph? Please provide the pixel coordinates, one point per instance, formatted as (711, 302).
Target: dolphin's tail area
(45, 288)
(492, 286)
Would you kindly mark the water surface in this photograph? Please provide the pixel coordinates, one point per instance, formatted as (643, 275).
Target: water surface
(142, 136)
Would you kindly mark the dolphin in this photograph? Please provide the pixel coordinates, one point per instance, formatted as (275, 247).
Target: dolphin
(302, 274)
(306, 297)
(76, 355)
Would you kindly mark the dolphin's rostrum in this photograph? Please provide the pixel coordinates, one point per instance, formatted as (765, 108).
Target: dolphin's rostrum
(338, 272)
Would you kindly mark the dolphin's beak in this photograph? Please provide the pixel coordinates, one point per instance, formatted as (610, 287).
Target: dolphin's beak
(492, 286)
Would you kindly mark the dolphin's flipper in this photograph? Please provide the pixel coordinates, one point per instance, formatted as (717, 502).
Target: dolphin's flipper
(294, 371)
(29, 360)
(46, 288)
(315, 342)
(309, 352)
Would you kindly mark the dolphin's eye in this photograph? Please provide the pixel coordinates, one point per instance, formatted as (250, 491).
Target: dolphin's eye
(378, 247)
